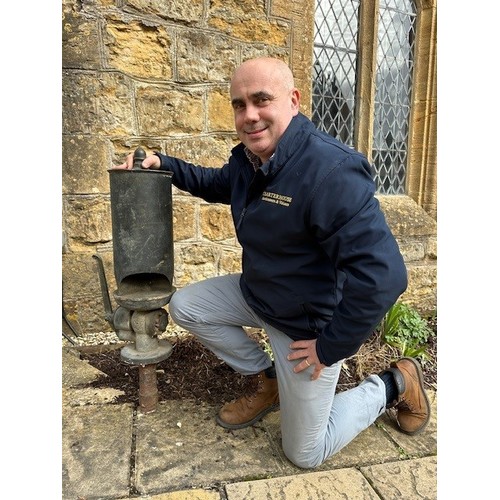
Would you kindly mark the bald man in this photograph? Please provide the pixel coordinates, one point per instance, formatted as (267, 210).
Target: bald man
(320, 268)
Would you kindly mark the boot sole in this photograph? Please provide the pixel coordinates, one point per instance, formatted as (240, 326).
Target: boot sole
(262, 414)
(421, 380)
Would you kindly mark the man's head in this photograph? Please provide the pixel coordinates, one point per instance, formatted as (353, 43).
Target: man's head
(264, 101)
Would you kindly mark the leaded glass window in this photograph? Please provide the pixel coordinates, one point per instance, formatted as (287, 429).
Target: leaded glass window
(396, 35)
(335, 74)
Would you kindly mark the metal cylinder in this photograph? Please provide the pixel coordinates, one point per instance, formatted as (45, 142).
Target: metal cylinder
(148, 389)
(143, 250)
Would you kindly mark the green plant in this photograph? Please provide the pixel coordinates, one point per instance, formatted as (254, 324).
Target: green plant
(403, 328)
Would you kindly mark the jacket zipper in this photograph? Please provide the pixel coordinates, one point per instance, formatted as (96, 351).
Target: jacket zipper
(240, 220)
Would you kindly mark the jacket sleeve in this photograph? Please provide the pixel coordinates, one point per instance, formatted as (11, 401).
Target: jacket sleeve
(347, 221)
(211, 184)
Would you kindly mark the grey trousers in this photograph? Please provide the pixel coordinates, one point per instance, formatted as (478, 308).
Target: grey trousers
(315, 422)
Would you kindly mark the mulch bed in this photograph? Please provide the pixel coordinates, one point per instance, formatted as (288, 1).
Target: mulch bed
(193, 372)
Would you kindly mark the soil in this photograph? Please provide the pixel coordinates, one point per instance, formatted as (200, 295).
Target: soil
(193, 372)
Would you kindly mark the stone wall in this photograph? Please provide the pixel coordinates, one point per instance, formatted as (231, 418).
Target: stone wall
(155, 73)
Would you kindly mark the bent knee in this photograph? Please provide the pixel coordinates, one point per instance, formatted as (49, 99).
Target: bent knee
(304, 460)
(177, 308)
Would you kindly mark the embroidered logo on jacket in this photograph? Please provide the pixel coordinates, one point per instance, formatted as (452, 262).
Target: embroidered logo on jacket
(278, 199)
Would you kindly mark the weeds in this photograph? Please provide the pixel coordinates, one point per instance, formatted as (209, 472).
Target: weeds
(404, 329)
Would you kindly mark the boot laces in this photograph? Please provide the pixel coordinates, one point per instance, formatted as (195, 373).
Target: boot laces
(255, 390)
(404, 404)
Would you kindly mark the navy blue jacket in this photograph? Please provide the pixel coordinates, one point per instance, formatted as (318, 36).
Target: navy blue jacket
(319, 260)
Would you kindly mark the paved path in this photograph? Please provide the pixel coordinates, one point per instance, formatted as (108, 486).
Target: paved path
(110, 451)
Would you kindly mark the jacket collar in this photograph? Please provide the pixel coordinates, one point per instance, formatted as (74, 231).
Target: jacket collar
(291, 139)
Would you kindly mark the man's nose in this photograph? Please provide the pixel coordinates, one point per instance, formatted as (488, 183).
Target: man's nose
(251, 113)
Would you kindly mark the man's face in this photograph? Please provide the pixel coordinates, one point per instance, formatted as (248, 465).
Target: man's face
(263, 106)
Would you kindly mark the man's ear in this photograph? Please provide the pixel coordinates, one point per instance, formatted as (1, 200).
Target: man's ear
(295, 100)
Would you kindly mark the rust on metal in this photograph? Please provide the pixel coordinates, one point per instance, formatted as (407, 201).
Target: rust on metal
(148, 389)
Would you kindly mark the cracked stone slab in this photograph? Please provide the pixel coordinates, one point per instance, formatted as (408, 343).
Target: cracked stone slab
(405, 479)
(324, 485)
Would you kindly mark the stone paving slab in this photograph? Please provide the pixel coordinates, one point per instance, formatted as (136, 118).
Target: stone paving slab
(180, 446)
(325, 485)
(96, 448)
(186, 495)
(407, 479)
(372, 445)
(178, 452)
(77, 372)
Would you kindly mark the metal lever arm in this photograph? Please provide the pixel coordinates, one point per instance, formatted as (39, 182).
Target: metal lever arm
(108, 309)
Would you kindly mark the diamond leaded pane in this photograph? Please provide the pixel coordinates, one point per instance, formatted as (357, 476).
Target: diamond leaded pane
(396, 35)
(334, 72)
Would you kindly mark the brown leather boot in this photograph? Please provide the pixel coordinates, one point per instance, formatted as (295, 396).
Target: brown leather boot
(249, 409)
(412, 406)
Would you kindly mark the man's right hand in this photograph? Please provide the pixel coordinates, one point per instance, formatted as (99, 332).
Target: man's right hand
(151, 161)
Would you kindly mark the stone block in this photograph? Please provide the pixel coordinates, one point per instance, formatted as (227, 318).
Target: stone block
(216, 222)
(87, 221)
(237, 10)
(80, 276)
(80, 42)
(422, 288)
(139, 49)
(166, 111)
(205, 57)
(175, 10)
(209, 151)
(95, 104)
(405, 217)
(254, 30)
(79, 107)
(85, 160)
(122, 147)
(247, 21)
(220, 111)
(184, 217)
(194, 262)
(81, 291)
(115, 105)
(431, 249)
(412, 250)
(230, 261)
(253, 50)
(87, 314)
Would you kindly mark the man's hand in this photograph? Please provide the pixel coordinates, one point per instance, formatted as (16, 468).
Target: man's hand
(151, 161)
(306, 350)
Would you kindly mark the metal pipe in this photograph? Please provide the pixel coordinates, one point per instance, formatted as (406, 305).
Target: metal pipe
(148, 388)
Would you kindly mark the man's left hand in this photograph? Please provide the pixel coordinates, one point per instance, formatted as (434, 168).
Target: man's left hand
(306, 351)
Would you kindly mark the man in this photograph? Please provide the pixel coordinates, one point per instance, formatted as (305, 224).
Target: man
(320, 270)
